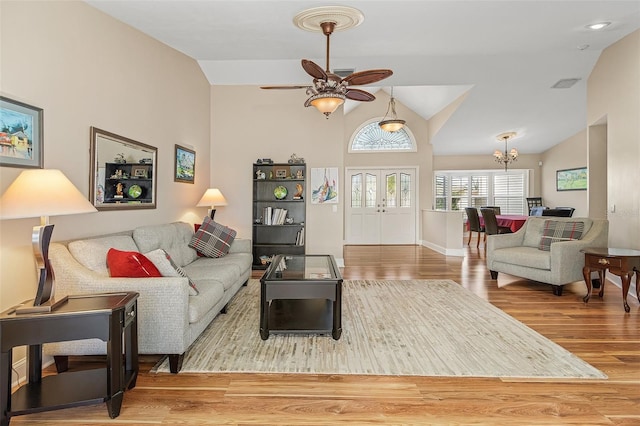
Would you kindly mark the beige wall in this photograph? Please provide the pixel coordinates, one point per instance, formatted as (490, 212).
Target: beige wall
(87, 69)
(613, 97)
(570, 154)
(248, 123)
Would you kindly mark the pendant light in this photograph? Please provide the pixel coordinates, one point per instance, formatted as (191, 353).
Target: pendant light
(392, 124)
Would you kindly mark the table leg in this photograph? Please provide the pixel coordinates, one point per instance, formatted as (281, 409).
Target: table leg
(337, 313)
(5, 388)
(601, 275)
(115, 373)
(586, 273)
(637, 283)
(264, 312)
(626, 283)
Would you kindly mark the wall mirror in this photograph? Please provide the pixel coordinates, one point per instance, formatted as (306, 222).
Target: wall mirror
(123, 174)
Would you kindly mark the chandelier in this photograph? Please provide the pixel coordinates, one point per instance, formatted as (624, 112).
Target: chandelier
(506, 157)
(391, 124)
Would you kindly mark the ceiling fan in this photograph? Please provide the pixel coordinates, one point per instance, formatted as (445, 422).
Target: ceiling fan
(328, 90)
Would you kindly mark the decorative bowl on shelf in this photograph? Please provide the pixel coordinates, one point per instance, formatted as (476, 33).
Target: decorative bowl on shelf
(135, 191)
(280, 192)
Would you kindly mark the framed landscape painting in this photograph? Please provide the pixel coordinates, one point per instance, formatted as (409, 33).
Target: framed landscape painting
(571, 179)
(20, 134)
(185, 165)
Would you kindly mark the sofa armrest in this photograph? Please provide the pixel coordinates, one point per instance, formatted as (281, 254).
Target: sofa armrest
(567, 260)
(240, 245)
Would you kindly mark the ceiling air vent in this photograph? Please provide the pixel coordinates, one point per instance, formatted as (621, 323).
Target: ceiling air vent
(565, 83)
(343, 72)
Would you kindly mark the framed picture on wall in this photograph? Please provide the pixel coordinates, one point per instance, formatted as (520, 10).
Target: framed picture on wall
(185, 165)
(20, 134)
(571, 179)
(324, 184)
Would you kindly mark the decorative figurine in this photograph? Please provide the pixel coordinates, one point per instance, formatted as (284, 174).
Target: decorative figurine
(299, 174)
(298, 194)
(119, 159)
(295, 159)
(260, 174)
(119, 189)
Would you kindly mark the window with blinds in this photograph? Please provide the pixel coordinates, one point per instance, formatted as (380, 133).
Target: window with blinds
(456, 190)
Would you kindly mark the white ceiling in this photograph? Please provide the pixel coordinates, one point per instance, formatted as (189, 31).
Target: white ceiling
(506, 54)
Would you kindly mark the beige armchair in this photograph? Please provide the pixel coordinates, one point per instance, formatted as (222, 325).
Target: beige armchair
(519, 253)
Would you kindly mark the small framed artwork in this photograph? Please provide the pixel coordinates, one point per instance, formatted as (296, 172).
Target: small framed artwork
(185, 165)
(21, 141)
(281, 172)
(571, 179)
(139, 172)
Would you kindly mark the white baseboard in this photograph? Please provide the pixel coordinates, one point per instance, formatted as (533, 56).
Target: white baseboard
(443, 250)
(20, 367)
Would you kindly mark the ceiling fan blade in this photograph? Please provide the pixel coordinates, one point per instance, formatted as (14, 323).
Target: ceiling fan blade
(359, 95)
(284, 87)
(314, 70)
(366, 77)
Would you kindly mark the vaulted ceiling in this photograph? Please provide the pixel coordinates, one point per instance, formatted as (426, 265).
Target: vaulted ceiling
(505, 55)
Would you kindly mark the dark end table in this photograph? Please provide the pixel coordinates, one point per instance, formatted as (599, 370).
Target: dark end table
(621, 262)
(108, 317)
(301, 294)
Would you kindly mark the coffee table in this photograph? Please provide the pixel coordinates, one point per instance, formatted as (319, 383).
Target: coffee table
(301, 294)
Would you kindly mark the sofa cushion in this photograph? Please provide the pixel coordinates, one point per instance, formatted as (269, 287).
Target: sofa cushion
(523, 256)
(173, 238)
(212, 239)
(92, 253)
(208, 269)
(555, 231)
(168, 268)
(211, 293)
(130, 264)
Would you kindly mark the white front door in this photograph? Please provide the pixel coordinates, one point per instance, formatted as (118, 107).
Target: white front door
(380, 206)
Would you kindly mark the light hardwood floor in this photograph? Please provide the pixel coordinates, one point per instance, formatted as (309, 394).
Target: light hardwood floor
(600, 333)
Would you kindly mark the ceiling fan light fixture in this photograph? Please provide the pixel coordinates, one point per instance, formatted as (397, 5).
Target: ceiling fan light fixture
(392, 124)
(326, 103)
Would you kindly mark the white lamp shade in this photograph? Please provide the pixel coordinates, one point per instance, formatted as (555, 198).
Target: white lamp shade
(212, 197)
(42, 193)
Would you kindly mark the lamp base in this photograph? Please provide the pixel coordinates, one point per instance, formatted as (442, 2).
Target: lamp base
(27, 307)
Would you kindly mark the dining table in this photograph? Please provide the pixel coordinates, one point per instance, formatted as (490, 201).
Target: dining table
(511, 221)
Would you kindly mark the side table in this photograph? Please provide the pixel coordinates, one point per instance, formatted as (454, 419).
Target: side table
(108, 317)
(621, 262)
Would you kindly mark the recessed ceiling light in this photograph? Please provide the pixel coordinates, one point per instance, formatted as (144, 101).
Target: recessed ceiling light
(598, 25)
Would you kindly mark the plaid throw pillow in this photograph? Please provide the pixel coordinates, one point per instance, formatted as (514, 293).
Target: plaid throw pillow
(212, 239)
(555, 231)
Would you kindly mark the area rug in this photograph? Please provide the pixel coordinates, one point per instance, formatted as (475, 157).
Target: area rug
(415, 328)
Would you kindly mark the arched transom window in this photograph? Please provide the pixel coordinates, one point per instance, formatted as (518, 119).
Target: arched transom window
(371, 138)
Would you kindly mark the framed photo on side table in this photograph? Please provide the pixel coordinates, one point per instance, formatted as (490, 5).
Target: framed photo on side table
(20, 134)
(185, 165)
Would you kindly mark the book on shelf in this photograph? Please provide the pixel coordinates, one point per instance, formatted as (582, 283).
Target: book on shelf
(275, 216)
(300, 237)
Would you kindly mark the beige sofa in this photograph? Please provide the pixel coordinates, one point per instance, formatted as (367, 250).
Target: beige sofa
(519, 253)
(170, 315)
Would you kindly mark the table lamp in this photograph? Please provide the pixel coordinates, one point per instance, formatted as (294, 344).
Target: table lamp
(212, 198)
(44, 193)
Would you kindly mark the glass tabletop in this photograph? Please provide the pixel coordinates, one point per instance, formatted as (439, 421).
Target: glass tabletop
(303, 267)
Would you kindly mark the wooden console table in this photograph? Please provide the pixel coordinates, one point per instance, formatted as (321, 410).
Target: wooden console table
(620, 262)
(108, 317)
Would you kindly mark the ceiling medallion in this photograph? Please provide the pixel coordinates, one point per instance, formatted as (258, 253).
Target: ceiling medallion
(344, 18)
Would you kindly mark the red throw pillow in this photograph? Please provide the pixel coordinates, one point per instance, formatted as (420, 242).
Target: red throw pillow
(130, 264)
